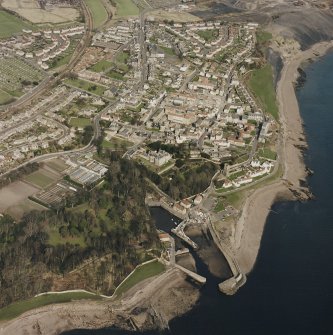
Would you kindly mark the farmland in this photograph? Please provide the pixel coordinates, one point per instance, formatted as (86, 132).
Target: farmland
(126, 8)
(40, 178)
(98, 12)
(10, 24)
(30, 10)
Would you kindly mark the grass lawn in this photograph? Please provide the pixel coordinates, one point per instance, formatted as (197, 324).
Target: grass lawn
(208, 35)
(126, 8)
(14, 310)
(219, 207)
(267, 153)
(167, 51)
(5, 98)
(116, 143)
(234, 199)
(101, 66)
(98, 11)
(142, 272)
(115, 75)
(79, 122)
(122, 57)
(261, 84)
(10, 24)
(86, 86)
(40, 179)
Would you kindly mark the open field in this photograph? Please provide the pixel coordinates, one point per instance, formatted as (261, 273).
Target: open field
(14, 310)
(10, 24)
(98, 12)
(14, 193)
(141, 272)
(79, 122)
(86, 86)
(30, 10)
(126, 8)
(41, 178)
(175, 16)
(261, 85)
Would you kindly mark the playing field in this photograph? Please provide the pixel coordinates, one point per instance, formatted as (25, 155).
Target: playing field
(98, 12)
(10, 24)
(126, 8)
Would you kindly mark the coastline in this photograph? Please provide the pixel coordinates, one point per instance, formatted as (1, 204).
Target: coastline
(149, 305)
(250, 226)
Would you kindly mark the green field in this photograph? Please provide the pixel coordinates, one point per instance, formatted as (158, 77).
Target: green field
(261, 84)
(40, 179)
(10, 24)
(126, 8)
(219, 207)
(267, 153)
(5, 98)
(142, 272)
(79, 122)
(115, 75)
(167, 51)
(14, 310)
(116, 143)
(208, 35)
(98, 11)
(86, 86)
(263, 36)
(101, 66)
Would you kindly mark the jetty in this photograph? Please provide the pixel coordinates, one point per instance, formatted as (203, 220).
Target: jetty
(193, 275)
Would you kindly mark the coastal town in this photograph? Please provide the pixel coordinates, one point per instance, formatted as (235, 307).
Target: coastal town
(168, 95)
(116, 108)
